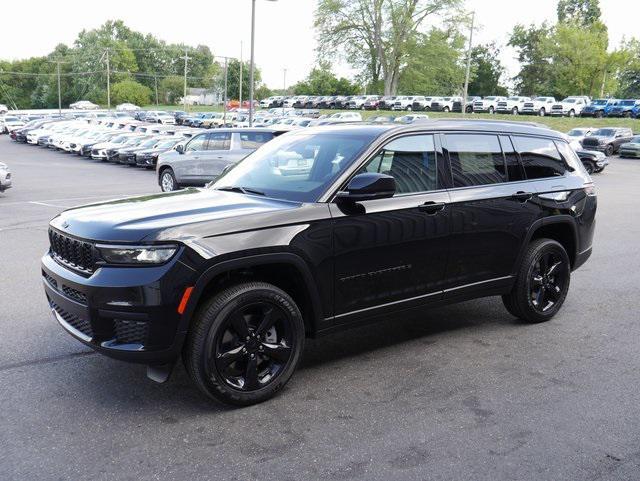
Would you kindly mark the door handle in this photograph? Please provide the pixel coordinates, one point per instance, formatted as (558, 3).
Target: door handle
(522, 196)
(431, 207)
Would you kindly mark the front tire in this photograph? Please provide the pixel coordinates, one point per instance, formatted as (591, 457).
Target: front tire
(542, 282)
(542, 112)
(168, 182)
(514, 111)
(245, 344)
(609, 150)
(589, 167)
(491, 110)
(445, 110)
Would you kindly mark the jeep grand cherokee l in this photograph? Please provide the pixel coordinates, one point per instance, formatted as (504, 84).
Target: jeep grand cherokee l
(318, 230)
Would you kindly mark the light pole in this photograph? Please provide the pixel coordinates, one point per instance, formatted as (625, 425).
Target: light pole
(253, 31)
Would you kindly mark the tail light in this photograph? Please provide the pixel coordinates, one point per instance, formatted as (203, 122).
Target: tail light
(590, 189)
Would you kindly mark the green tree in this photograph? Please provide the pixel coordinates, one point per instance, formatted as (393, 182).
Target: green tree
(582, 12)
(171, 89)
(487, 71)
(629, 75)
(130, 91)
(322, 81)
(534, 49)
(434, 64)
(375, 36)
(233, 79)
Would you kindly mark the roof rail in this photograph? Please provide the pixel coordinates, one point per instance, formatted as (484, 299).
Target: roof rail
(497, 121)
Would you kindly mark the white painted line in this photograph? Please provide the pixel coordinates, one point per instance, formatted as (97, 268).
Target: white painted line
(48, 205)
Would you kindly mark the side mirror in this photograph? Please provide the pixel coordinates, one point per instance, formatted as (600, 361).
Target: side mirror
(180, 148)
(368, 186)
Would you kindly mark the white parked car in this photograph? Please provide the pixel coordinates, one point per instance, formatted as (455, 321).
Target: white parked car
(577, 135)
(5, 177)
(444, 104)
(403, 102)
(126, 107)
(409, 119)
(512, 105)
(9, 123)
(488, 104)
(345, 117)
(570, 107)
(160, 118)
(84, 105)
(358, 102)
(3, 109)
(539, 106)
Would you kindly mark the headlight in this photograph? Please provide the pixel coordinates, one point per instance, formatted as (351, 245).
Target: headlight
(137, 254)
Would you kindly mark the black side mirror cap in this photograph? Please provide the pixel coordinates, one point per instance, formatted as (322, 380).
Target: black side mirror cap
(180, 148)
(368, 186)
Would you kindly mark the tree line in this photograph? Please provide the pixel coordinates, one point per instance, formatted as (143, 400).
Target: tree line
(143, 70)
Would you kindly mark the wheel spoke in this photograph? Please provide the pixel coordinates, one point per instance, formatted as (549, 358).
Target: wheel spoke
(267, 321)
(553, 268)
(554, 293)
(537, 280)
(539, 295)
(543, 264)
(277, 352)
(251, 374)
(239, 325)
(229, 357)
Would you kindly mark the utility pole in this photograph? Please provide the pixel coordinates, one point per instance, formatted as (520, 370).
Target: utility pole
(284, 86)
(108, 82)
(155, 77)
(224, 115)
(604, 81)
(58, 62)
(240, 74)
(184, 96)
(466, 78)
(253, 31)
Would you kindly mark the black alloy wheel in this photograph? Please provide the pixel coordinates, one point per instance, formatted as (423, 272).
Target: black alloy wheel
(542, 282)
(589, 167)
(547, 281)
(609, 150)
(252, 346)
(245, 343)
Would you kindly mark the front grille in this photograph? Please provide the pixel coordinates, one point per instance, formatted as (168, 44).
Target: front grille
(502, 104)
(457, 105)
(50, 279)
(528, 105)
(131, 332)
(74, 253)
(82, 325)
(95, 152)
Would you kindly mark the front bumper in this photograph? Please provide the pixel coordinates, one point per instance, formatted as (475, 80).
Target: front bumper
(629, 153)
(5, 181)
(127, 313)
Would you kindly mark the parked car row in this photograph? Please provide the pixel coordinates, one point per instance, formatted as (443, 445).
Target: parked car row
(516, 104)
(124, 141)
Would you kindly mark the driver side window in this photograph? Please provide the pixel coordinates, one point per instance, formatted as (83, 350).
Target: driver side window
(411, 161)
(197, 143)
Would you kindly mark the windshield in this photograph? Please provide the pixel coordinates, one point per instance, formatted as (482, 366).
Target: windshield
(297, 166)
(569, 101)
(635, 140)
(604, 132)
(167, 144)
(628, 102)
(599, 102)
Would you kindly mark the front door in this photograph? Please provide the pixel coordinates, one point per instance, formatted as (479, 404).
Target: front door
(391, 253)
(216, 157)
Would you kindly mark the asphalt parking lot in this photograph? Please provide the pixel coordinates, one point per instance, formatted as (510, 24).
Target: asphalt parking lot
(456, 393)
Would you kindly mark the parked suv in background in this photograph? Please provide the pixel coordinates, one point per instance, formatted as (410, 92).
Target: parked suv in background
(319, 230)
(457, 104)
(5, 177)
(403, 102)
(625, 108)
(487, 104)
(631, 148)
(512, 105)
(598, 108)
(444, 104)
(421, 103)
(205, 156)
(570, 107)
(607, 140)
(386, 102)
(539, 106)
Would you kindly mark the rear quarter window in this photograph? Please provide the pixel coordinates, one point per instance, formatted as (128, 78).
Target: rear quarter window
(540, 157)
(253, 140)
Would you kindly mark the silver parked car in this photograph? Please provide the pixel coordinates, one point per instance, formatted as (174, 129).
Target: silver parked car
(5, 177)
(204, 157)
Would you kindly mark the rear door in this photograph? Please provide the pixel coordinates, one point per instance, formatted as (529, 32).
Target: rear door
(492, 207)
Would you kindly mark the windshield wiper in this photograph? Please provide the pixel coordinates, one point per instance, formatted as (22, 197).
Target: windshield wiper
(242, 190)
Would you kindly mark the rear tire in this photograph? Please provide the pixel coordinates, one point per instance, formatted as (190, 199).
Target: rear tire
(589, 167)
(491, 110)
(609, 150)
(245, 344)
(445, 110)
(542, 282)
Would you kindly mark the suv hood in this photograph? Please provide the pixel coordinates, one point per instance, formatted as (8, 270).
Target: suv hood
(174, 216)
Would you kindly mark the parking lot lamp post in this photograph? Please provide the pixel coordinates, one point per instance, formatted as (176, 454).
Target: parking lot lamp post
(240, 93)
(253, 30)
(284, 86)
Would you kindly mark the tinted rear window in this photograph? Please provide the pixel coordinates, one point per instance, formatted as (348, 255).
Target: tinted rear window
(253, 140)
(476, 159)
(540, 157)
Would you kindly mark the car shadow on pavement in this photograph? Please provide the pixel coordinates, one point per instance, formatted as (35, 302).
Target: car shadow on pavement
(102, 381)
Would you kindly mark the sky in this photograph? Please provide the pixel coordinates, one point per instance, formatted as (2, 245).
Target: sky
(285, 37)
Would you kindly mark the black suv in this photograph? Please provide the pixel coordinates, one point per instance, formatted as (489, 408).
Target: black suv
(316, 231)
